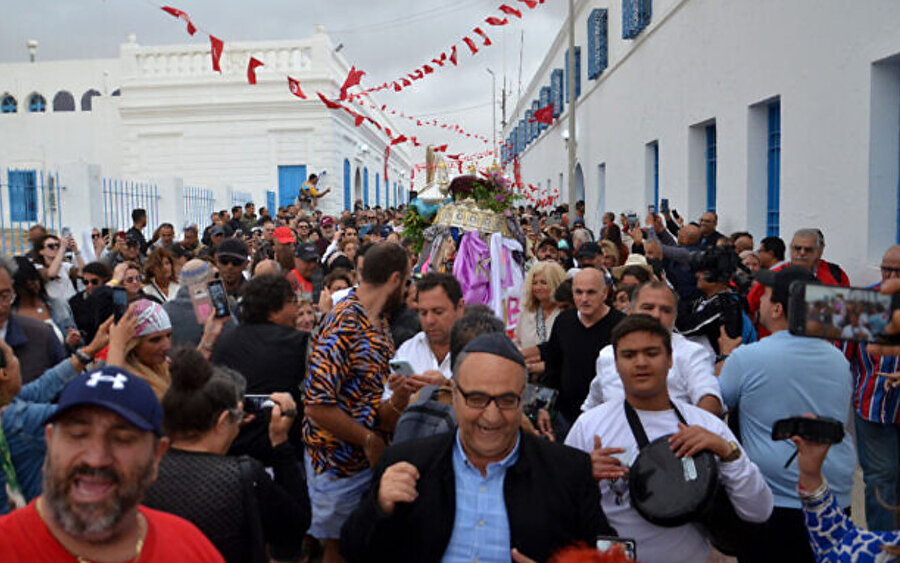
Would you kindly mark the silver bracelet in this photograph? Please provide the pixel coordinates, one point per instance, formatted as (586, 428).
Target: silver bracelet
(813, 496)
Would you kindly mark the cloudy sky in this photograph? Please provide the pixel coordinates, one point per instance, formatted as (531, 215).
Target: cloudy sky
(386, 38)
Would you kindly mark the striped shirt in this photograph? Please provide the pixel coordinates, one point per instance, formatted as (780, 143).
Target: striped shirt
(348, 369)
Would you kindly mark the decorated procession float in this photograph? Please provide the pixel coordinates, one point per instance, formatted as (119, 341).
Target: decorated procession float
(466, 227)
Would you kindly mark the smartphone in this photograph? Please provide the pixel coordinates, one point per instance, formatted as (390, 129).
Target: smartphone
(402, 367)
(839, 313)
(219, 298)
(120, 302)
(675, 213)
(104, 232)
(822, 430)
(651, 209)
(254, 404)
(200, 301)
(632, 220)
(628, 545)
(664, 205)
(65, 231)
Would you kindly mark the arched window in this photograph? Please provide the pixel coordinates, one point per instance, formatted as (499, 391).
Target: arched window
(63, 101)
(87, 99)
(37, 103)
(8, 105)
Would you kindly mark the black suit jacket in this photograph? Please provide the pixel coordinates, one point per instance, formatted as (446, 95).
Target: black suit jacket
(551, 501)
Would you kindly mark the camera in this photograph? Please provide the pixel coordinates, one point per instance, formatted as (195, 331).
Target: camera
(718, 262)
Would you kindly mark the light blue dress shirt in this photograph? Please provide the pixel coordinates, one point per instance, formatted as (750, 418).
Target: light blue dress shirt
(784, 375)
(481, 526)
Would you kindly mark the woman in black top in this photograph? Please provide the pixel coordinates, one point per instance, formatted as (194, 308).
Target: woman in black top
(231, 499)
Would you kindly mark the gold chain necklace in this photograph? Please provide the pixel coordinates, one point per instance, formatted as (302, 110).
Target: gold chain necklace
(138, 546)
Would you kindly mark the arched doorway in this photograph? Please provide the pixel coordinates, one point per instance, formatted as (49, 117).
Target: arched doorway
(579, 183)
(348, 203)
(357, 187)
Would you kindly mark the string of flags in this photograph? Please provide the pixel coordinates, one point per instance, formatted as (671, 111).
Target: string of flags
(353, 79)
(449, 58)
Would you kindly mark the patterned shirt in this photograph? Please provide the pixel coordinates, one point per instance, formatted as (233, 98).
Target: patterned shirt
(834, 538)
(348, 369)
(871, 400)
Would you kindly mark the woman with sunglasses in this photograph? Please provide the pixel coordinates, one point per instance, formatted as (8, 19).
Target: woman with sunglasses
(231, 499)
(56, 271)
(159, 275)
(32, 300)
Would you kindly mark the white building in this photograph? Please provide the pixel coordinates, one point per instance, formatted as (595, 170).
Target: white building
(777, 114)
(158, 128)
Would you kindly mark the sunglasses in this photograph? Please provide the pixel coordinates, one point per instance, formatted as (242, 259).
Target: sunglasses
(92, 281)
(132, 279)
(52, 246)
(230, 261)
(95, 235)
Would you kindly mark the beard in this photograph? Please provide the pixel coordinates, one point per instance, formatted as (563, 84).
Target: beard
(394, 302)
(95, 521)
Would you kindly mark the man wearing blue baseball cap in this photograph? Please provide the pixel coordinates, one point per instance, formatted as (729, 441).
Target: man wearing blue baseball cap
(104, 444)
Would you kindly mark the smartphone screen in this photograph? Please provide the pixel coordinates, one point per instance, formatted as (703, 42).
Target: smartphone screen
(120, 302)
(628, 545)
(219, 298)
(402, 367)
(838, 313)
(257, 403)
(200, 301)
(664, 205)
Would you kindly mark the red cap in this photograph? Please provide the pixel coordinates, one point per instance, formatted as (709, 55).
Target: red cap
(326, 222)
(284, 235)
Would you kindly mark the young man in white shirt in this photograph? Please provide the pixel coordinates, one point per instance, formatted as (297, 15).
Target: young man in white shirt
(692, 378)
(441, 304)
(643, 352)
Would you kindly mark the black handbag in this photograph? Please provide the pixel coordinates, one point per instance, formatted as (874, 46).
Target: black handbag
(668, 491)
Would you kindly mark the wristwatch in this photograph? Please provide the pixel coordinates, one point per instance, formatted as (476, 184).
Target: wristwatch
(735, 453)
(82, 357)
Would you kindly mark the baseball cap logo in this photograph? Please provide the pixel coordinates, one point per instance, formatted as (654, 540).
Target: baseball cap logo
(118, 380)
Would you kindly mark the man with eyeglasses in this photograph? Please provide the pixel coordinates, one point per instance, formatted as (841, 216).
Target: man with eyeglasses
(88, 310)
(231, 258)
(486, 492)
(876, 401)
(806, 249)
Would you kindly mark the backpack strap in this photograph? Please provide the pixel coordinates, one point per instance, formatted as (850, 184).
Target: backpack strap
(640, 436)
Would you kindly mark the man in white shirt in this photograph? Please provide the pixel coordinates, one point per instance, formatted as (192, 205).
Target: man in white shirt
(643, 352)
(692, 378)
(428, 352)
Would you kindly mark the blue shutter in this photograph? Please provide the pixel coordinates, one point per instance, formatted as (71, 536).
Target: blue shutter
(773, 171)
(377, 188)
(365, 187)
(656, 175)
(22, 195)
(348, 203)
(271, 202)
(598, 44)
(8, 105)
(556, 91)
(636, 15)
(577, 73)
(535, 127)
(711, 167)
(528, 126)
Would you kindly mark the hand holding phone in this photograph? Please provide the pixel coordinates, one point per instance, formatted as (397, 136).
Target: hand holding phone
(821, 430)
(402, 367)
(219, 298)
(120, 302)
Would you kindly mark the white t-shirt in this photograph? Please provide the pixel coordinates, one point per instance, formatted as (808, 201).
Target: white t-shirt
(418, 353)
(746, 487)
(693, 375)
(61, 286)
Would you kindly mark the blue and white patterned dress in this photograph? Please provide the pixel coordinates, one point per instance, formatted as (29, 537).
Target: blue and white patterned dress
(835, 539)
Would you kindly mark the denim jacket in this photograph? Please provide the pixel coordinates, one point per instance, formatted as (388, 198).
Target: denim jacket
(23, 425)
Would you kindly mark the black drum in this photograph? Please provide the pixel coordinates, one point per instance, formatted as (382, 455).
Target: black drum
(668, 491)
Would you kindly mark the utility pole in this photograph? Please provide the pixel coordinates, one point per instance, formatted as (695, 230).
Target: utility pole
(571, 87)
(493, 113)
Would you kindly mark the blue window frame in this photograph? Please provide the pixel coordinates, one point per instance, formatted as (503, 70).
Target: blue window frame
(598, 43)
(535, 127)
(544, 102)
(557, 77)
(521, 135)
(577, 73)
(377, 188)
(37, 104)
(529, 115)
(22, 194)
(711, 167)
(365, 187)
(271, 201)
(656, 175)
(636, 15)
(348, 197)
(773, 171)
(8, 105)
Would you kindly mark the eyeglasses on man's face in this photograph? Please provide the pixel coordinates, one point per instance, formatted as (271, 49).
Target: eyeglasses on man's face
(479, 400)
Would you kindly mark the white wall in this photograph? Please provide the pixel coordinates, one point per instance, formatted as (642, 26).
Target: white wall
(705, 59)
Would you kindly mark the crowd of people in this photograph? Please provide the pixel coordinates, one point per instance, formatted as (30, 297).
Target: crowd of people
(347, 406)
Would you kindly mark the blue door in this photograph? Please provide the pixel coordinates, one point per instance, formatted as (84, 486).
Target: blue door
(290, 178)
(365, 187)
(348, 203)
(271, 202)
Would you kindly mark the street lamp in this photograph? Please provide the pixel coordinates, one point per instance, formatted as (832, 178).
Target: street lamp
(493, 112)
(32, 48)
